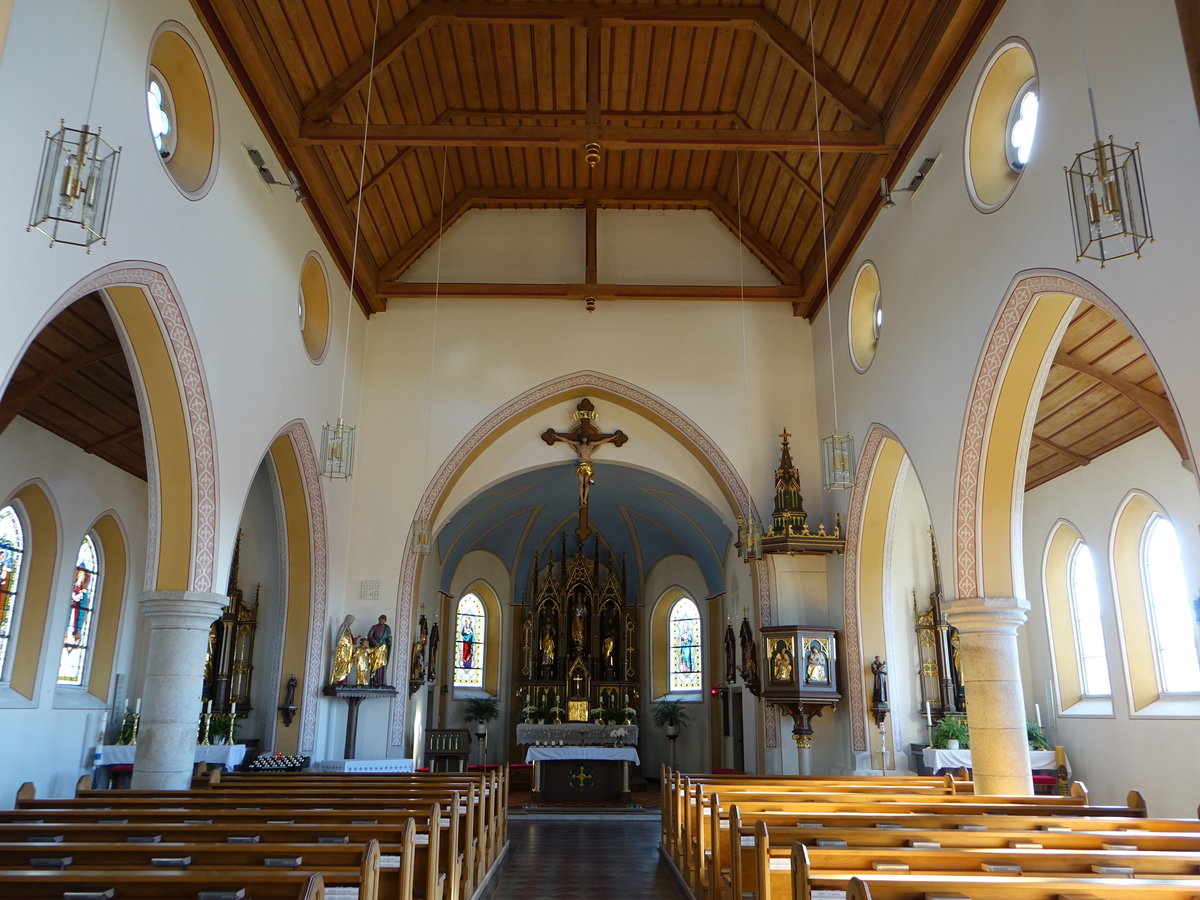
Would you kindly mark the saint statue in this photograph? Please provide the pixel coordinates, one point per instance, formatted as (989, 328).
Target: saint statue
(343, 652)
(730, 655)
(879, 685)
(578, 613)
(781, 662)
(606, 649)
(362, 661)
(816, 664)
(749, 656)
(547, 642)
(379, 639)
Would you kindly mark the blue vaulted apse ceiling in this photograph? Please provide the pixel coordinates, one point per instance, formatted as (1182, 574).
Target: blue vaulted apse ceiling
(637, 514)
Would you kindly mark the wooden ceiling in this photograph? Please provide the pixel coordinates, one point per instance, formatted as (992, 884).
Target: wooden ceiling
(1102, 391)
(74, 382)
(490, 103)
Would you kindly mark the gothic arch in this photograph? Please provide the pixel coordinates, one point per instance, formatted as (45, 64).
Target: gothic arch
(999, 419)
(519, 409)
(173, 397)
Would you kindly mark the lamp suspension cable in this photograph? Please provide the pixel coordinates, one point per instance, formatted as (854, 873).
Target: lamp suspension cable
(838, 447)
(337, 456)
(1087, 72)
(99, 54)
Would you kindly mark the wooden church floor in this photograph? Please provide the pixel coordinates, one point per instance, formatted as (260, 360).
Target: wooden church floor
(581, 858)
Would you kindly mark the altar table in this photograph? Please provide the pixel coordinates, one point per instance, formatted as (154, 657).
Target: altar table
(364, 765)
(573, 734)
(937, 759)
(228, 755)
(581, 773)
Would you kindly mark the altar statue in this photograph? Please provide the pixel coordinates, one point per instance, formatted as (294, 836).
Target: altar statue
(816, 668)
(379, 639)
(606, 649)
(362, 662)
(547, 642)
(879, 686)
(781, 662)
(343, 652)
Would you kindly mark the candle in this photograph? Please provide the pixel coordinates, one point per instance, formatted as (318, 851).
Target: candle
(1037, 711)
(126, 704)
(233, 710)
(137, 707)
(208, 706)
(928, 717)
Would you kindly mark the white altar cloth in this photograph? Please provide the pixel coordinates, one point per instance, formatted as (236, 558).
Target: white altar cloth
(574, 734)
(227, 755)
(363, 765)
(952, 759)
(545, 754)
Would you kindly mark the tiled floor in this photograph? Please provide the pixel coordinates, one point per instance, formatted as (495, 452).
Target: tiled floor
(584, 859)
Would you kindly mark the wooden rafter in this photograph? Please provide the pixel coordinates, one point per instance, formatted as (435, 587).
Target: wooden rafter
(578, 291)
(1061, 450)
(764, 22)
(610, 137)
(122, 435)
(1156, 407)
(605, 198)
(18, 396)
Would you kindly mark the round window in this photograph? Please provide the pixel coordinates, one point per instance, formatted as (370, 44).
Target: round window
(161, 107)
(1001, 125)
(183, 115)
(866, 316)
(1022, 126)
(313, 308)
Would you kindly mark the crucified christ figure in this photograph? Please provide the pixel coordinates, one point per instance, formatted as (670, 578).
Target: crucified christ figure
(584, 438)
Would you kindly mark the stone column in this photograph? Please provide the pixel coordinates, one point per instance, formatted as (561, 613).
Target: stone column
(987, 628)
(179, 624)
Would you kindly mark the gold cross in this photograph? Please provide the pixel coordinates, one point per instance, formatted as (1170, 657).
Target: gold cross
(581, 779)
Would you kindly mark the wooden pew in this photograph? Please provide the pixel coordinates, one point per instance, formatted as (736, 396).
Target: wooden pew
(434, 858)
(338, 864)
(883, 886)
(159, 884)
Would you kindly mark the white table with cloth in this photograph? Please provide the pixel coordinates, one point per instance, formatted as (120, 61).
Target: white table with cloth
(581, 773)
(574, 734)
(227, 755)
(938, 759)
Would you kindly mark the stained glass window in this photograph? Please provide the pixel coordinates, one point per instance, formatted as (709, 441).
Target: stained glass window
(73, 664)
(1170, 611)
(470, 634)
(12, 546)
(684, 632)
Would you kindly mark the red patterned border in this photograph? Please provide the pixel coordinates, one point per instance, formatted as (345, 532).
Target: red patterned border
(854, 524)
(193, 390)
(314, 498)
(479, 435)
(1023, 291)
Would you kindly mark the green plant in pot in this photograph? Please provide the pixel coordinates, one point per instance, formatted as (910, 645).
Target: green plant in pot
(482, 710)
(669, 715)
(1037, 737)
(950, 734)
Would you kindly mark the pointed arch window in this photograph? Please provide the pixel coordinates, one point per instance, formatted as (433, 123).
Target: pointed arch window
(1172, 625)
(683, 630)
(1089, 630)
(470, 640)
(72, 668)
(12, 550)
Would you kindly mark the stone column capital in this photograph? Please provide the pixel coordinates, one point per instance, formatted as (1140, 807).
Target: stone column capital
(182, 609)
(986, 615)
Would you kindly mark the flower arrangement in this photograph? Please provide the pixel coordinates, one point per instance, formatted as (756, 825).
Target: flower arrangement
(618, 735)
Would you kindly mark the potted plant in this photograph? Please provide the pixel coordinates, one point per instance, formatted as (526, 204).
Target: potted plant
(669, 715)
(482, 710)
(1037, 737)
(950, 734)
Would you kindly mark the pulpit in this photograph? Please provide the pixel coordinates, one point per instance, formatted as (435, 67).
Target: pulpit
(799, 675)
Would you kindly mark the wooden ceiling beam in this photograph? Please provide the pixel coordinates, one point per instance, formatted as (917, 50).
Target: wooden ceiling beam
(425, 237)
(396, 290)
(1061, 450)
(1156, 407)
(18, 396)
(766, 252)
(765, 23)
(610, 137)
(793, 173)
(122, 435)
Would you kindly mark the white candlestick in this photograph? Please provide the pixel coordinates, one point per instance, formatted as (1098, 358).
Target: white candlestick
(126, 704)
(137, 707)
(928, 717)
(208, 706)
(1037, 711)
(233, 710)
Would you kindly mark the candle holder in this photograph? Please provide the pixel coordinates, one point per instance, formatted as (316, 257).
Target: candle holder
(205, 726)
(128, 731)
(137, 720)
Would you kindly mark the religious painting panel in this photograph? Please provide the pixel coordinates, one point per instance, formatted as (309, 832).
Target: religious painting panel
(470, 639)
(685, 654)
(79, 621)
(12, 546)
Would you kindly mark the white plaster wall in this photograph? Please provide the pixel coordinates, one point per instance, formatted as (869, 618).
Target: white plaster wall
(59, 726)
(1115, 753)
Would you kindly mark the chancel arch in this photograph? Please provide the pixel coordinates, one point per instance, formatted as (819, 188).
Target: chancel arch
(509, 434)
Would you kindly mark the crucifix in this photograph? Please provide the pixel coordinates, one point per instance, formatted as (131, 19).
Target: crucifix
(584, 437)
